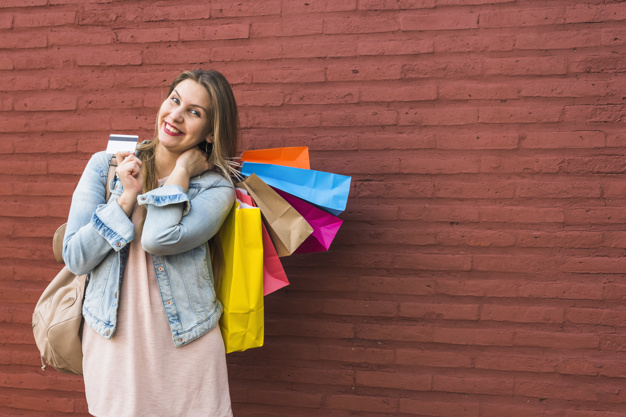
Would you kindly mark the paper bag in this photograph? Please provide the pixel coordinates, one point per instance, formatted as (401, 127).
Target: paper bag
(286, 227)
(325, 225)
(323, 189)
(240, 288)
(274, 277)
(296, 157)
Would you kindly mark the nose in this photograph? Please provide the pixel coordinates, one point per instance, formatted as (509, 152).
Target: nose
(177, 115)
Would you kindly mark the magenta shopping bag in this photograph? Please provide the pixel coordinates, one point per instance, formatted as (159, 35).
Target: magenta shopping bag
(325, 225)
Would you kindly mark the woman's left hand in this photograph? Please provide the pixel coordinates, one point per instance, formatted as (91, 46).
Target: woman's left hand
(193, 161)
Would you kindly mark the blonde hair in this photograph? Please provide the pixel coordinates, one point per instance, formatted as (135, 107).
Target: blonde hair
(223, 126)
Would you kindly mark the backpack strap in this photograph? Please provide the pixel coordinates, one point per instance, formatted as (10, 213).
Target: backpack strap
(57, 239)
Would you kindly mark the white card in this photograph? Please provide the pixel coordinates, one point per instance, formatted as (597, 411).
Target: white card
(118, 143)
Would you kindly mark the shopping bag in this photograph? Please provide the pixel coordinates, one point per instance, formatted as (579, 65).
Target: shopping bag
(274, 277)
(323, 189)
(286, 227)
(240, 288)
(325, 225)
(297, 156)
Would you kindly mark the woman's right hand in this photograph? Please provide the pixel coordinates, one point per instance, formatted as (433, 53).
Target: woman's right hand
(129, 172)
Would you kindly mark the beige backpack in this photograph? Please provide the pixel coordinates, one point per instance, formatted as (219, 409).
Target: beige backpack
(58, 319)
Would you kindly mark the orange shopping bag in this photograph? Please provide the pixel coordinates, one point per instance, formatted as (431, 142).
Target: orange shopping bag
(296, 157)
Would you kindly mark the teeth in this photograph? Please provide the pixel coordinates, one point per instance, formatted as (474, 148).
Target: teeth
(171, 128)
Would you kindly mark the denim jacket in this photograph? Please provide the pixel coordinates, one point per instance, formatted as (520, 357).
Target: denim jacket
(178, 224)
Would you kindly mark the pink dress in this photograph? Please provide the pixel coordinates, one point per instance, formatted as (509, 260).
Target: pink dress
(139, 372)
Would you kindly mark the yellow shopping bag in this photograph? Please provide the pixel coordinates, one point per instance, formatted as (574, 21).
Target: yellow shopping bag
(240, 288)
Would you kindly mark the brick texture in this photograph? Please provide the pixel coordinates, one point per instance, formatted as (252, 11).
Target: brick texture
(479, 269)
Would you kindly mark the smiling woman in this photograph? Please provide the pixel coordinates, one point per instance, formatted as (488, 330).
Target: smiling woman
(151, 345)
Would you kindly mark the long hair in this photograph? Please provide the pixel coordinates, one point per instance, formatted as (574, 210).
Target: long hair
(223, 126)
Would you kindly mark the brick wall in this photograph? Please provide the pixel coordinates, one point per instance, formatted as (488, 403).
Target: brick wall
(480, 268)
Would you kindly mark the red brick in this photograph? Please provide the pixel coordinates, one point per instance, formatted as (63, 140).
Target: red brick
(522, 214)
(432, 67)
(468, 384)
(568, 88)
(23, 3)
(390, 285)
(443, 20)
(290, 75)
(543, 66)
(163, 11)
(245, 8)
(439, 311)
(317, 48)
(360, 308)
(478, 141)
(367, 24)
(538, 239)
(559, 190)
(147, 35)
(537, 164)
(434, 358)
(394, 380)
(109, 58)
(45, 103)
(395, 47)
(615, 317)
(559, 140)
(44, 19)
(356, 354)
(473, 190)
(500, 361)
(343, 72)
(23, 40)
(405, 333)
(438, 213)
(453, 116)
(400, 92)
(477, 43)
(285, 397)
(363, 117)
(564, 290)
(250, 52)
(206, 33)
(288, 27)
(434, 408)
(308, 328)
(363, 403)
(395, 4)
(522, 314)
(520, 114)
(556, 339)
(302, 6)
(464, 90)
(522, 18)
(474, 336)
(563, 39)
(555, 389)
(482, 238)
(280, 119)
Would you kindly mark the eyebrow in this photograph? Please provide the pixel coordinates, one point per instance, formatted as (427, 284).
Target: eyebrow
(192, 105)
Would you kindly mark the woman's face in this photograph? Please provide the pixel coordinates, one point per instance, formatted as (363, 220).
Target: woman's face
(184, 117)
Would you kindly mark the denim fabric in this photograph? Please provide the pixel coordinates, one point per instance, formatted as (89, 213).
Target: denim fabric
(178, 225)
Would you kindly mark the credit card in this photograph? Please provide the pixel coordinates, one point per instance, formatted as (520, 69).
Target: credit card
(118, 143)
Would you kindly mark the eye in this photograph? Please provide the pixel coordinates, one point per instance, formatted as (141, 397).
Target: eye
(176, 100)
(195, 112)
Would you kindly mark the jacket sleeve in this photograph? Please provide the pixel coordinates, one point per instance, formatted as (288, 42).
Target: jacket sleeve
(94, 228)
(176, 224)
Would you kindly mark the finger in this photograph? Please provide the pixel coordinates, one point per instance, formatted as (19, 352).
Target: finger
(121, 155)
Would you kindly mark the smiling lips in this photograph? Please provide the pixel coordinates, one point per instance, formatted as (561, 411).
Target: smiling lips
(171, 130)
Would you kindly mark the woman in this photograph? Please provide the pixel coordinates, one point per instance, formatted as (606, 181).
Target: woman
(151, 343)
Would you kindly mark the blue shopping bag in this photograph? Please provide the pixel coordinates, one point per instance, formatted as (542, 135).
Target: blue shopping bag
(324, 189)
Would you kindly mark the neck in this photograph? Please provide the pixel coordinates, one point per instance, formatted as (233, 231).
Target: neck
(164, 161)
